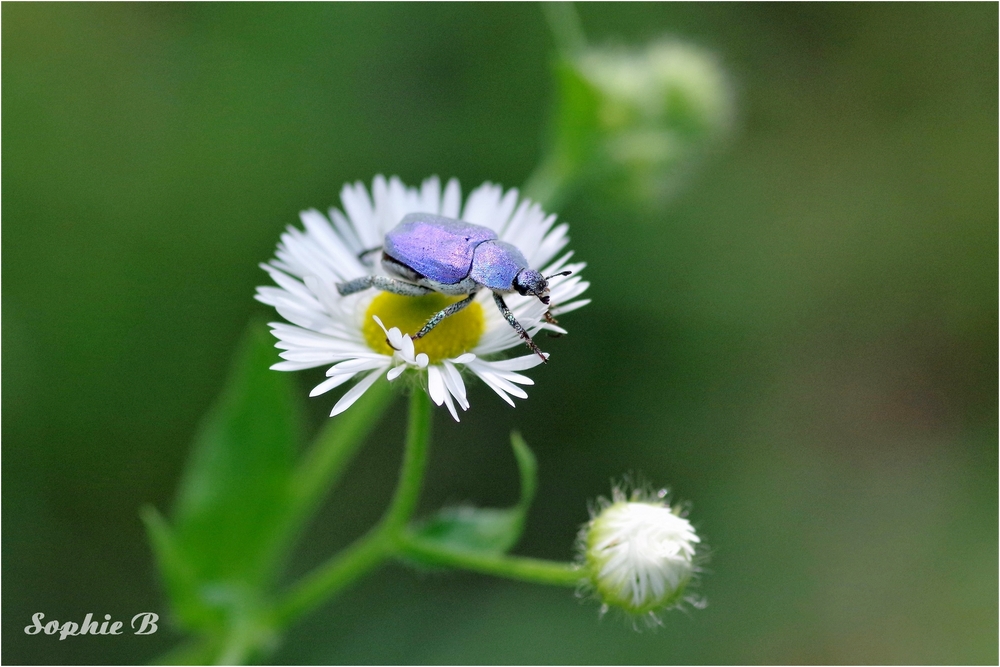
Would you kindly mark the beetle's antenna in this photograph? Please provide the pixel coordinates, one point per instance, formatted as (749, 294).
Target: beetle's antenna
(561, 273)
(509, 316)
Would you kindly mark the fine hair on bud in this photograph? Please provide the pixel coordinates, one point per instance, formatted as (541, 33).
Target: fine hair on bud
(640, 554)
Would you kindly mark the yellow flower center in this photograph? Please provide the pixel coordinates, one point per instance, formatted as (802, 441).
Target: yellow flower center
(452, 336)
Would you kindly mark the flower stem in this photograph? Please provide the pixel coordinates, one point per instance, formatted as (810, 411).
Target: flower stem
(533, 570)
(549, 184)
(381, 541)
(333, 576)
(564, 22)
(411, 477)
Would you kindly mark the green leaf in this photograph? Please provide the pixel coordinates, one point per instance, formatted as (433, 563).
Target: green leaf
(467, 528)
(178, 576)
(234, 500)
(528, 467)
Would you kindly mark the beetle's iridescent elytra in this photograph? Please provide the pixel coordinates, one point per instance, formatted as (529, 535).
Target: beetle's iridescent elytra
(429, 253)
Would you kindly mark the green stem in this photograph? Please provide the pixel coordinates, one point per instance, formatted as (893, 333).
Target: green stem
(411, 476)
(333, 576)
(533, 570)
(381, 542)
(550, 182)
(564, 22)
(245, 638)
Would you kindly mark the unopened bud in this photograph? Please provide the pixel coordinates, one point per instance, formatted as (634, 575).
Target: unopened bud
(668, 86)
(639, 553)
(644, 113)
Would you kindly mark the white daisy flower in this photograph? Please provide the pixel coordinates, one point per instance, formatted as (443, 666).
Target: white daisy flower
(367, 334)
(639, 553)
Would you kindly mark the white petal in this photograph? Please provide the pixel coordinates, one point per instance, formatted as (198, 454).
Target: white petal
(310, 354)
(397, 340)
(358, 365)
(451, 406)
(453, 381)
(556, 266)
(324, 292)
(482, 205)
(337, 254)
(567, 289)
(517, 363)
(358, 207)
(355, 392)
(289, 284)
(328, 384)
(430, 195)
(435, 385)
(500, 382)
(306, 338)
(488, 379)
(553, 242)
(570, 307)
(405, 347)
(516, 378)
(452, 199)
(295, 365)
(347, 233)
(395, 372)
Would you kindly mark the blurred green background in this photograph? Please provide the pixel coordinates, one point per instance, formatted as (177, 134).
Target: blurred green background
(803, 343)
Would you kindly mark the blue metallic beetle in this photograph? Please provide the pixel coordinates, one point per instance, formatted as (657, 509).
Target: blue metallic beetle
(429, 253)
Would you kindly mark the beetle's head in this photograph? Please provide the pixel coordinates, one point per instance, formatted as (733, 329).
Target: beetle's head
(529, 282)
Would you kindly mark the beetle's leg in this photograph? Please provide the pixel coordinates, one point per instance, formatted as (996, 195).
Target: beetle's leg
(356, 285)
(383, 283)
(399, 286)
(362, 256)
(552, 320)
(509, 316)
(440, 315)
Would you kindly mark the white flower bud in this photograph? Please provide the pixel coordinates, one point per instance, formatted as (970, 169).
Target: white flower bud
(669, 86)
(652, 112)
(639, 553)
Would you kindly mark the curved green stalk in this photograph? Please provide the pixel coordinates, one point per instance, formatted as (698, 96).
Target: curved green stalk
(411, 476)
(333, 576)
(520, 568)
(549, 184)
(564, 22)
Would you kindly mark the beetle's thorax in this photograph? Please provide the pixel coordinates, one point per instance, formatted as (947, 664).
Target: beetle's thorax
(496, 264)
